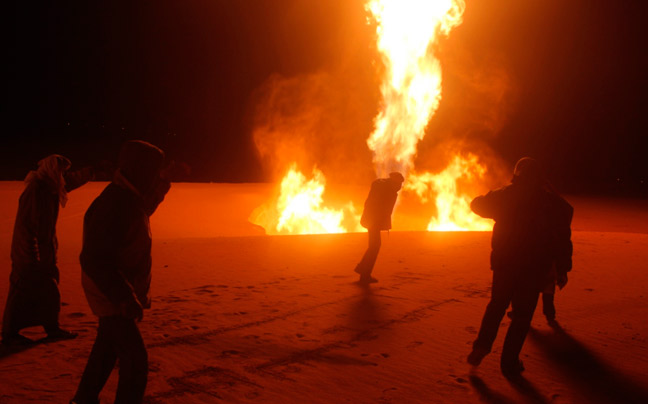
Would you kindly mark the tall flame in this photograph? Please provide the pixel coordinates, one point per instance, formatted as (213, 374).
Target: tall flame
(407, 32)
(407, 36)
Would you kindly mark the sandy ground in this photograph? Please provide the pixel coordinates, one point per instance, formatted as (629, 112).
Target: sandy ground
(242, 317)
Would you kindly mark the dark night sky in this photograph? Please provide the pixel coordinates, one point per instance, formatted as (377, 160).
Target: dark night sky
(83, 77)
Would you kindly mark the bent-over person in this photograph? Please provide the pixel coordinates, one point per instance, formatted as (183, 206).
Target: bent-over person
(376, 217)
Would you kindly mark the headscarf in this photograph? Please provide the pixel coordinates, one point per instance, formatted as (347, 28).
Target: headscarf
(51, 170)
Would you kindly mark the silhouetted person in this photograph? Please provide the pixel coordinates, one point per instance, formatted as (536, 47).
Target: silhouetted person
(376, 216)
(531, 233)
(116, 271)
(34, 297)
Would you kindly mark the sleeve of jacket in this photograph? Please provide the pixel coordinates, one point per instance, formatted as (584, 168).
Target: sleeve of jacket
(105, 235)
(75, 179)
(488, 205)
(563, 243)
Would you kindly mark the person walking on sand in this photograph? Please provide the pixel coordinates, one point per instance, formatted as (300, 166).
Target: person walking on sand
(116, 271)
(376, 216)
(34, 298)
(532, 233)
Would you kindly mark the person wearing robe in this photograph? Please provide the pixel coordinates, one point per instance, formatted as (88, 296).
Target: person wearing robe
(116, 271)
(531, 235)
(34, 298)
(376, 217)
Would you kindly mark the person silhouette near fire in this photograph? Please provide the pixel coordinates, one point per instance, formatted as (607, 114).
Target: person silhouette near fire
(376, 217)
(531, 235)
(34, 298)
(116, 271)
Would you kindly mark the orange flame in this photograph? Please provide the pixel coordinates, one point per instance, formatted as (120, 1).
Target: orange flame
(453, 208)
(300, 209)
(407, 31)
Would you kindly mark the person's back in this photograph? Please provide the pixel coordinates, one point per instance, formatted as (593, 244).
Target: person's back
(379, 205)
(531, 234)
(529, 224)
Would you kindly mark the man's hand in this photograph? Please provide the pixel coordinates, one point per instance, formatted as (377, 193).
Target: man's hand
(561, 280)
(132, 309)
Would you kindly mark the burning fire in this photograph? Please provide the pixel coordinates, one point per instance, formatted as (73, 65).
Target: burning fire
(453, 207)
(301, 211)
(407, 33)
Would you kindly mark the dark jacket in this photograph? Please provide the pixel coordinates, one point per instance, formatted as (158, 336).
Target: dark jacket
(116, 253)
(532, 228)
(379, 205)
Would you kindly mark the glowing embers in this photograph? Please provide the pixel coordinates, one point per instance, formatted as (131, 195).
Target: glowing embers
(299, 208)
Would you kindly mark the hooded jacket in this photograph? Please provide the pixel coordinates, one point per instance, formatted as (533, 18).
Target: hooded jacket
(116, 254)
(379, 205)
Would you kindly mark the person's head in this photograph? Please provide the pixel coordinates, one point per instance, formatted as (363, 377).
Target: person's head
(528, 172)
(63, 163)
(140, 163)
(397, 179)
(53, 167)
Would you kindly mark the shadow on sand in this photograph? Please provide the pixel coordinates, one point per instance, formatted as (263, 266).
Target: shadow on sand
(597, 380)
(486, 394)
(365, 314)
(8, 350)
(520, 384)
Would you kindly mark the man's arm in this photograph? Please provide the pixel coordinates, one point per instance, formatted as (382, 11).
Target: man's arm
(487, 205)
(75, 179)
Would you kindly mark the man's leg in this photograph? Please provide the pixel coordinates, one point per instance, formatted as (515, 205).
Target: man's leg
(51, 308)
(524, 302)
(133, 361)
(501, 294)
(100, 364)
(365, 267)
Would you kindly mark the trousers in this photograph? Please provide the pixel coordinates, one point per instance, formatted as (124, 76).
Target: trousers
(521, 291)
(366, 264)
(118, 338)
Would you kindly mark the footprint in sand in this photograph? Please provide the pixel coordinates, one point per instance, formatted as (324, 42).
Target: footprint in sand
(204, 291)
(414, 344)
(229, 352)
